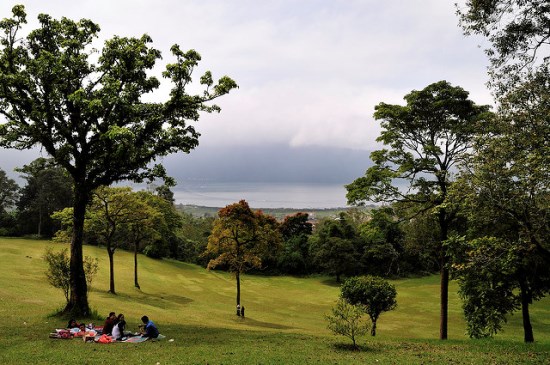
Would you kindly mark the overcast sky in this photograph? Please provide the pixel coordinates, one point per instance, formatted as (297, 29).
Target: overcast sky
(309, 71)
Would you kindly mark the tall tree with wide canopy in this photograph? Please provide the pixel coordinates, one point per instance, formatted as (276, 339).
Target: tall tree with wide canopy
(425, 139)
(86, 110)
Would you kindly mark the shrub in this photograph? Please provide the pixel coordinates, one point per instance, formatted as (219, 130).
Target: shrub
(59, 270)
(346, 320)
(374, 294)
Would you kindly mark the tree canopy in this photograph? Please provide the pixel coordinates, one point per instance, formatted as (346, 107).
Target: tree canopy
(85, 108)
(517, 31)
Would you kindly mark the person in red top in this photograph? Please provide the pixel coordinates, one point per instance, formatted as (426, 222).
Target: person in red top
(109, 323)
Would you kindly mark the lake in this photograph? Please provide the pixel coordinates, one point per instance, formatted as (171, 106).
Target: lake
(261, 195)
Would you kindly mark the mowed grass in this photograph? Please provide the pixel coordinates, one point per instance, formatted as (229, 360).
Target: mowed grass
(284, 318)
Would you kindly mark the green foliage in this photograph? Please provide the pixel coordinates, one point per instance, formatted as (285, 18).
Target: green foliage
(517, 32)
(333, 247)
(505, 190)
(58, 272)
(346, 320)
(373, 294)
(49, 188)
(487, 285)
(382, 241)
(194, 232)
(9, 193)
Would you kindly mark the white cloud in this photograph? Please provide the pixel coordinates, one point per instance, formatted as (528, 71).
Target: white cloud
(310, 71)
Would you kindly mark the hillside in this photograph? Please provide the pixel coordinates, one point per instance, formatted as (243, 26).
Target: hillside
(195, 308)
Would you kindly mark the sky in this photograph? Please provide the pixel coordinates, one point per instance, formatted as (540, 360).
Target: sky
(310, 73)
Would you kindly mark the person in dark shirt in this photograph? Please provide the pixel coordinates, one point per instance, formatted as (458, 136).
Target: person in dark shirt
(72, 324)
(150, 330)
(109, 323)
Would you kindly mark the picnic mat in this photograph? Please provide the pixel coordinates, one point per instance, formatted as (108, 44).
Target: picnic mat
(65, 334)
(138, 339)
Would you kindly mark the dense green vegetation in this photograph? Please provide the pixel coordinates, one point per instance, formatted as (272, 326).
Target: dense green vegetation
(194, 307)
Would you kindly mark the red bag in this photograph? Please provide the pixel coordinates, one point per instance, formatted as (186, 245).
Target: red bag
(105, 339)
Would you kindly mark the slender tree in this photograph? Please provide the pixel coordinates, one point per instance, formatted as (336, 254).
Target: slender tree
(110, 211)
(86, 109)
(425, 138)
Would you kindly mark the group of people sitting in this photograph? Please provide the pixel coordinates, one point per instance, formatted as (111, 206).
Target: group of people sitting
(81, 330)
(115, 327)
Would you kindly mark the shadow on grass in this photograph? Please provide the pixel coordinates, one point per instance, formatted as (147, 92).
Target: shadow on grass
(348, 347)
(161, 300)
(331, 282)
(252, 322)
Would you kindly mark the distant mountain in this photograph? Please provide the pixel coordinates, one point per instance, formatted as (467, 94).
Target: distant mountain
(271, 163)
(266, 163)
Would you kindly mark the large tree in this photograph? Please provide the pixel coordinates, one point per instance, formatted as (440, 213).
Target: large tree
(425, 139)
(85, 109)
(239, 238)
(506, 187)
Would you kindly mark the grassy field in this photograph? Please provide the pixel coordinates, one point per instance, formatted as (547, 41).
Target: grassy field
(194, 307)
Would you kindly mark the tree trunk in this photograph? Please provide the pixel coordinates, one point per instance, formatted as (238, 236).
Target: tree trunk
(444, 314)
(78, 302)
(238, 277)
(39, 221)
(525, 301)
(111, 269)
(373, 329)
(136, 284)
(444, 274)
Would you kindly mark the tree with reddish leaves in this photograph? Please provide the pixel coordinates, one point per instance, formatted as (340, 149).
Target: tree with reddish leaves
(239, 239)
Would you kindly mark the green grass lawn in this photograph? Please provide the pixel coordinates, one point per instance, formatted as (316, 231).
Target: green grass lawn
(195, 308)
